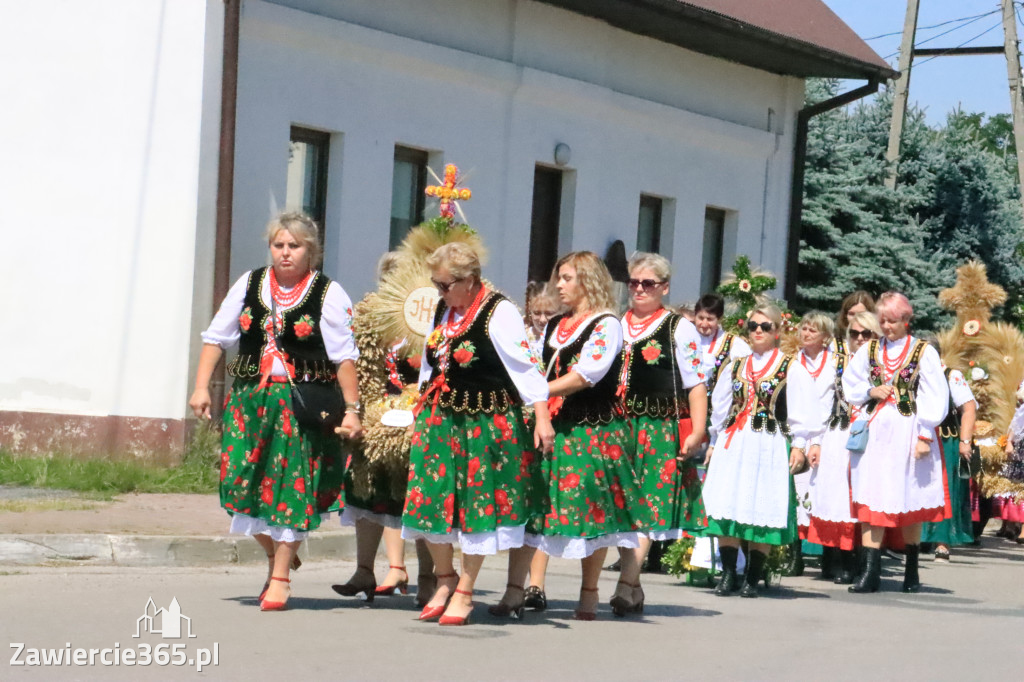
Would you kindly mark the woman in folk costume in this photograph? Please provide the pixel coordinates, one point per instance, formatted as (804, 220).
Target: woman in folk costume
(764, 413)
(662, 387)
(896, 481)
(859, 301)
(291, 325)
(471, 456)
(1013, 471)
(593, 497)
(376, 512)
(831, 523)
(956, 433)
(814, 335)
(717, 346)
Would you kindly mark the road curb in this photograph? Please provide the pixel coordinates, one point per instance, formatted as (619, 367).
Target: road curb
(158, 550)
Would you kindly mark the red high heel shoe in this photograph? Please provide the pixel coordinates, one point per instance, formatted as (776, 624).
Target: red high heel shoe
(579, 614)
(432, 612)
(296, 565)
(402, 585)
(458, 620)
(275, 605)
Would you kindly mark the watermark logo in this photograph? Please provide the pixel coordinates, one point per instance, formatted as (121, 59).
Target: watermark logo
(164, 622)
(169, 623)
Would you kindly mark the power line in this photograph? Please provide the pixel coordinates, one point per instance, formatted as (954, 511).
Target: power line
(948, 31)
(988, 30)
(944, 23)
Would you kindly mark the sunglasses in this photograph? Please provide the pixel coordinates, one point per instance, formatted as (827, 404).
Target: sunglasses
(763, 326)
(645, 284)
(865, 334)
(445, 287)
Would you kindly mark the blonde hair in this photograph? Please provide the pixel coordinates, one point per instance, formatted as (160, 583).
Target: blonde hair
(868, 321)
(771, 311)
(303, 228)
(592, 278)
(654, 262)
(460, 259)
(820, 322)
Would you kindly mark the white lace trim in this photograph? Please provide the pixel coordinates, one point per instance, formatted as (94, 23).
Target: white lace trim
(350, 515)
(581, 548)
(242, 524)
(505, 538)
(660, 535)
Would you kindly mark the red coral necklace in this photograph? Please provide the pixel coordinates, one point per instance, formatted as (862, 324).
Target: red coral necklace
(451, 329)
(815, 373)
(638, 329)
(564, 332)
(891, 366)
(287, 298)
(752, 376)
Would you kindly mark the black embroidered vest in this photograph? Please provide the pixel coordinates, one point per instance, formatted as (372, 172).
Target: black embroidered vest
(769, 412)
(721, 358)
(597, 404)
(906, 380)
(840, 346)
(652, 382)
(840, 417)
(300, 338)
(950, 426)
(473, 371)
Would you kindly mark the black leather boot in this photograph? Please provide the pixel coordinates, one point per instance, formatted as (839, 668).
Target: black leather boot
(848, 570)
(727, 583)
(871, 576)
(755, 567)
(796, 560)
(829, 557)
(911, 580)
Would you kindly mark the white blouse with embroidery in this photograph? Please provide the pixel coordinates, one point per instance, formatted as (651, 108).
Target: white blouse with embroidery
(335, 321)
(824, 385)
(689, 359)
(507, 332)
(599, 350)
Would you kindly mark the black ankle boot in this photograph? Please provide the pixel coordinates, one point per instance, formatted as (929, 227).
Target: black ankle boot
(871, 573)
(828, 563)
(727, 583)
(848, 562)
(796, 560)
(911, 580)
(755, 567)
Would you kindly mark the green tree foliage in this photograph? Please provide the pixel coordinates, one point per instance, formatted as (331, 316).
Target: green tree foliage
(956, 198)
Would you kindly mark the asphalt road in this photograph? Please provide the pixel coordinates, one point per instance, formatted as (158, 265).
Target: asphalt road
(966, 624)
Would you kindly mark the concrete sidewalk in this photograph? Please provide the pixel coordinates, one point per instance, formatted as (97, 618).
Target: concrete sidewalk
(58, 527)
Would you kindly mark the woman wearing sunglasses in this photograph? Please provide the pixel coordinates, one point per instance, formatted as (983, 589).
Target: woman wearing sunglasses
(471, 451)
(593, 499)
(662, 388)
(764, 412)
(831, 524)
(896, 480)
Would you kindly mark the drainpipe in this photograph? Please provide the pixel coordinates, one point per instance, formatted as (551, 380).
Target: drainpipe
(225, 174)
(796, 197)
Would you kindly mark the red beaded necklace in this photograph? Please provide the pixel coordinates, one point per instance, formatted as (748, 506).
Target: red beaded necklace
(638, 329)
(451, 329)
(752, 376)
(287, 298)
(815, 373)
(563, 332)
(891, 366)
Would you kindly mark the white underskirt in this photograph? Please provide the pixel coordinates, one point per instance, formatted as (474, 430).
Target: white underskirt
(350, 515)
(830, 480)
(580, 548)
(241, 524)
(661, 535)
(505, 538)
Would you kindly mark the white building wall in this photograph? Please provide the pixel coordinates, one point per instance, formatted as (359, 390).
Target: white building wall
(495, 91)
(100, 136)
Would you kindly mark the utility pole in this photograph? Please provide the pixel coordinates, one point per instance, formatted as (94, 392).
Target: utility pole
(1013, 76)
(902, 91)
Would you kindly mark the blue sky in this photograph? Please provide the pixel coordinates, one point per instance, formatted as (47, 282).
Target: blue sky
(975, 84)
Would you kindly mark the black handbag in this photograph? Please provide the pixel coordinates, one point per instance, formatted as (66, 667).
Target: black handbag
(316, 406)
(968, 468)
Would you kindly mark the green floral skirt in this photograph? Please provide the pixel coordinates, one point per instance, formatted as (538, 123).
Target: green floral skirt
(592, 496)
(271, 469)
(470, 480)
(671, 488)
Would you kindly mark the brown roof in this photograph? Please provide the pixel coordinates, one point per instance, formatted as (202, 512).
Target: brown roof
(792, 37)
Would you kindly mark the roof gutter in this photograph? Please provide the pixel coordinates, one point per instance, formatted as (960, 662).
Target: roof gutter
(225, 171)
(796, 196)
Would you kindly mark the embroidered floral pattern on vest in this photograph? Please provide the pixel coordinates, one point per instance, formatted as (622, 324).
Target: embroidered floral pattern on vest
(904, 382)
(769, 414)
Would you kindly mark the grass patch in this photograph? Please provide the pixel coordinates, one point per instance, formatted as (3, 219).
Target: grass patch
(103, 479)
(48, 504)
